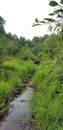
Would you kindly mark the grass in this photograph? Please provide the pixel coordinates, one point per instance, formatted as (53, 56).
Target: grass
(47, 100)
(12, 75)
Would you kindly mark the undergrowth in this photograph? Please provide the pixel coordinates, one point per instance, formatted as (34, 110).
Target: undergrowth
(12, 75)
(48, 97)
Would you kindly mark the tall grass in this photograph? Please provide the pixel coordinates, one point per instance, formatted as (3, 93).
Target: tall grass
(12, 74)
(48, 97)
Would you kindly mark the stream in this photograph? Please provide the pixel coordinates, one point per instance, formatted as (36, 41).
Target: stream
(19, 113)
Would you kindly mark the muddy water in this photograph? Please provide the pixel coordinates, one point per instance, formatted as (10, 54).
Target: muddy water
(19, 113)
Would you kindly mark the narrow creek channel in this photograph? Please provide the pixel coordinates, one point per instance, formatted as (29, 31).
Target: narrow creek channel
(19, 113)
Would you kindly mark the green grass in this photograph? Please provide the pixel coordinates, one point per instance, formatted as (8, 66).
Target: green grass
(48, 97)
(12, 74)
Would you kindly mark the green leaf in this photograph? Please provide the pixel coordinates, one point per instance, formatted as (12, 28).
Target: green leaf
(35, 24)
(51, 14)
(58, 11)
(49, 19)
(42, 21)
(58, 24)
(53, 3)
(36, 20)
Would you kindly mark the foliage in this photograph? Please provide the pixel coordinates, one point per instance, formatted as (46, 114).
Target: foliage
(48, 81)
(37, 40)
(55, 23)
(17, 58)
(12, 74)
(2, 22)
(15, 64)
(47, 99)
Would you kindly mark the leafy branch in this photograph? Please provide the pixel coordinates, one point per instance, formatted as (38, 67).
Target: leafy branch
(55, 23)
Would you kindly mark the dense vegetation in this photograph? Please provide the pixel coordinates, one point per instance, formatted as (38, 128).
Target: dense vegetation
(48, 79)
(48, 83)
(17, 57)
(17, 63)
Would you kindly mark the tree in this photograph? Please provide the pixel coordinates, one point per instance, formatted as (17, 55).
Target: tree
(29, 43)
(55, 23)
(2, 23)
(35, 40)
(22, 41)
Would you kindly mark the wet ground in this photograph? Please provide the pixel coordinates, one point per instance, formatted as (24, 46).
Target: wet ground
(19, 113)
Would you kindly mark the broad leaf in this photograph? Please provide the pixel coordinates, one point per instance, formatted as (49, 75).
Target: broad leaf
(53, 3)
